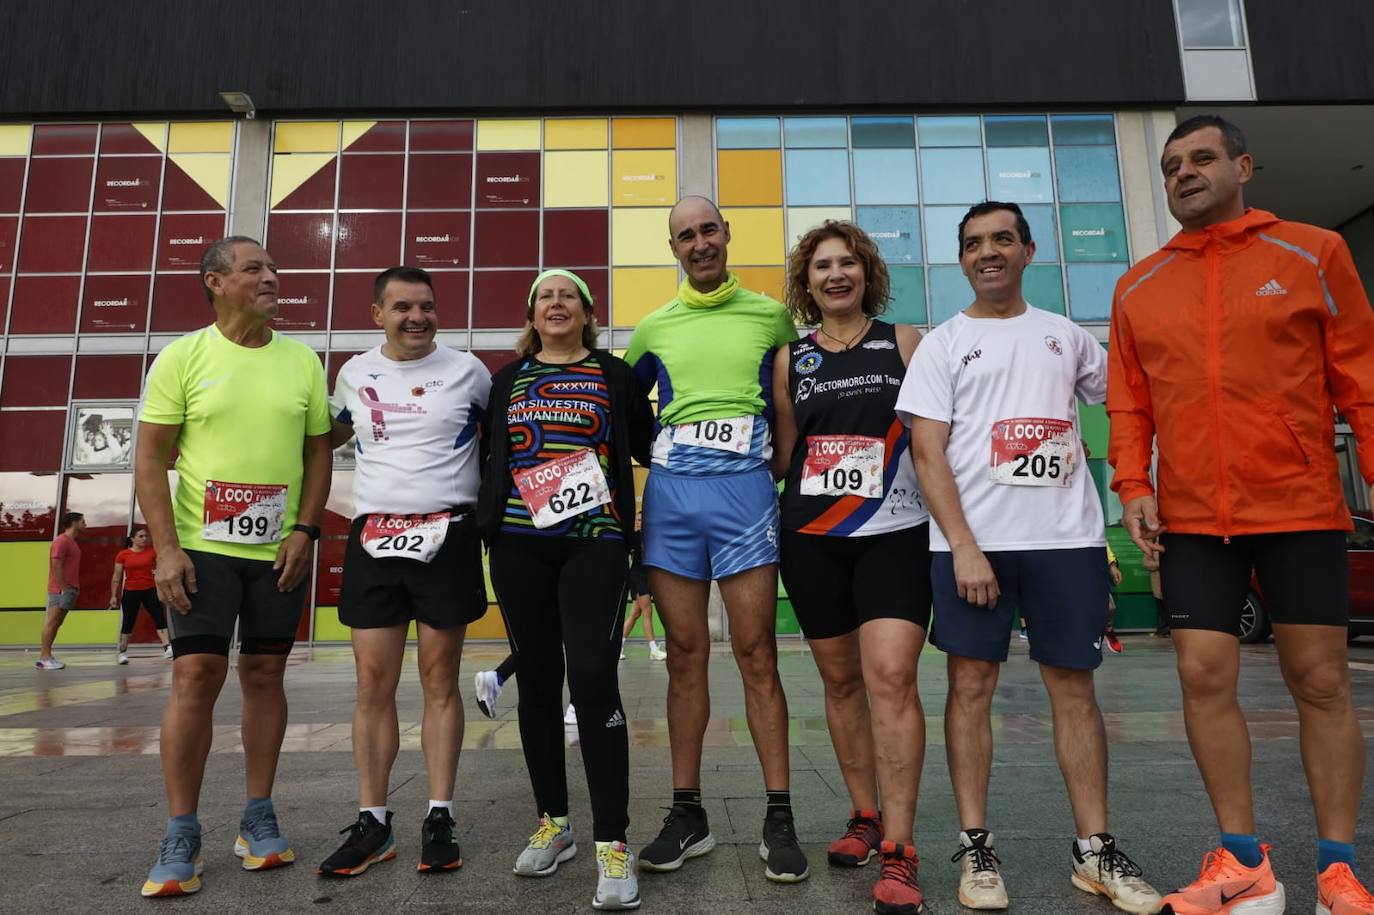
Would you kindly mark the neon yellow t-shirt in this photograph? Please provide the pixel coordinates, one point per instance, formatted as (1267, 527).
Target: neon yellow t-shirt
(244, 414)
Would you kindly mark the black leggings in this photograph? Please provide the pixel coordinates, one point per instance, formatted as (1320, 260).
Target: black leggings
(131, 602)
(566, 597)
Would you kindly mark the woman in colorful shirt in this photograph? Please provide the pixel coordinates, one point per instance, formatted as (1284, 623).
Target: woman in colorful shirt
(134, 565)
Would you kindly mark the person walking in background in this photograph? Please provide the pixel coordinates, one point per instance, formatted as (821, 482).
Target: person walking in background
(134, 566)
(64, 583)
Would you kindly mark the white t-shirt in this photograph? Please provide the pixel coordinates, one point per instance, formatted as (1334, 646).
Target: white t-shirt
(1009, 389)
(416, 428)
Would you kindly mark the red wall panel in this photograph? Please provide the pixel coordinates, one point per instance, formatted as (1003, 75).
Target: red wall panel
(121, 242)
(102, 376)
(52, 244)
(499, 297)
(127, 183)
(31, 440)
(508, 179)
(440, 182)
(59, 185)
(384, 136)
(371, 240)
(302, 302)
(184, 238)
(506, 239)
(352, 305)
(115, 304)
(11, 184)
(64, 139)
(45, 305)
(125, 139)
(315, 193)
(179, 303)
(181, 192)
(36, 381)
(300, 241)
(9, 237)
(371, 182)
(441, 135)
(438, 239)
(576, 238)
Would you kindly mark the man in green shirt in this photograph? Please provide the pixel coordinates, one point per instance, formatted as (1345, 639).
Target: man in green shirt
(247, 411)
(711, 513)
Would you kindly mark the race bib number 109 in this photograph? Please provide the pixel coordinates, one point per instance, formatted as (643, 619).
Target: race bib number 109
(1033, 451)
(843, 465)
(557, 490)
(732, 434)
(245, 513)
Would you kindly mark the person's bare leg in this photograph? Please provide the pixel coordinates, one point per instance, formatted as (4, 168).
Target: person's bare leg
(968, 736)
(890, 649)
(188, 728)
(163, 638)
(441, 730)
(1080, 744)
(630, 619)
(751, 601)
(1316, 669)
(124, 641)
(264, 719)
(1208, 669)
(846, 715)
(377, 658)
(682, 603)
(51, 623)
(644, 605)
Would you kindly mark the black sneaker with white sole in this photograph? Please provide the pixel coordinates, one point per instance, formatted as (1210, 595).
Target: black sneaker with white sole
(685, 834)
(786, 862)
(438, 845)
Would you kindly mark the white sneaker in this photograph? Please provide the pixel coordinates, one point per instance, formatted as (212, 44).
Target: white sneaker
(622, 654)
(1106, 871)
(571, 716)
(656, 653)
(48, 664)
(980, 881)
(122, 658)
(549, 847)
(486, 689)
(167, 652)
(616, 884)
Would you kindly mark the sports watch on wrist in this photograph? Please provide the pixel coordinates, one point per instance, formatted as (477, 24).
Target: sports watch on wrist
(312, 532)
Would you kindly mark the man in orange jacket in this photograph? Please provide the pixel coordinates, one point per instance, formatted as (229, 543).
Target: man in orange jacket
(1231, 349)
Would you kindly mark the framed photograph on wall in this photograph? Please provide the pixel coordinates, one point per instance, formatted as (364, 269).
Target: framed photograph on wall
(100, 435)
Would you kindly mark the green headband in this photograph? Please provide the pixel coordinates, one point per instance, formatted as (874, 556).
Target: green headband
(576, 280)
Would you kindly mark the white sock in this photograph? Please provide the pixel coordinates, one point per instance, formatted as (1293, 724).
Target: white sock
(378, 812)
(1084, 846)
(653, 644)
(447, 805)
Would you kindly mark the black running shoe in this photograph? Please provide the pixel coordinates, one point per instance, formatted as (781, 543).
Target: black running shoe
(786, 862)
(685, 834)
(438, 844)
(368, 842)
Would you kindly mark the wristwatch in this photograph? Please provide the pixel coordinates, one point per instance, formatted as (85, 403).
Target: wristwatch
(312, 532)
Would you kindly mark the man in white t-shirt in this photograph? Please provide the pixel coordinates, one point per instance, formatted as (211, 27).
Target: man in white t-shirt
(992, 399)
(413, 554)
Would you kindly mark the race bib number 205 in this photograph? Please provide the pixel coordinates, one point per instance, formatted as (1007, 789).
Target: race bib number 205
(1033, 451)
(244, 513)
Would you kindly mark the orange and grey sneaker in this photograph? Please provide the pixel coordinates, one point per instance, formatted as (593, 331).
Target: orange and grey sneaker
(897, 892)
(860, 841)
(179, 863)
(1340, 893)
(1226, 886)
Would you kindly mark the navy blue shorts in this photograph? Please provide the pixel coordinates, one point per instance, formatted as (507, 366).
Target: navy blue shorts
(1061, 593)
(710, 527)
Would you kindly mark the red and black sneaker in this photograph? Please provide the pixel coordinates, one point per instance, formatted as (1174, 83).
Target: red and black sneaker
(1113, 643)
(860, 841)
(897, 892)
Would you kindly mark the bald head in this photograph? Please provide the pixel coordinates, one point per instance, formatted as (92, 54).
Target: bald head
(692, 209)
(698, 236)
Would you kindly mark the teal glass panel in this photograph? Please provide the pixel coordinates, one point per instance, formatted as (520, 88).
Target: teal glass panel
(1042, 285)
(747, 133)
(814, 133)
(817, 177)
(1043, 233)
(1090, 290)
(952, 176)
(882, 132)
(1083, 130)
(884, 176)
(949, 293)
(942, 234)
(1016, 130)
(908, 305)
(1020, 174)
(897, 232)
(1087, 174)
(1093, 232)
(960, 131)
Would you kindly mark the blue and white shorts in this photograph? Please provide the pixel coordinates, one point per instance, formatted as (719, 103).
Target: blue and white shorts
(710, 527)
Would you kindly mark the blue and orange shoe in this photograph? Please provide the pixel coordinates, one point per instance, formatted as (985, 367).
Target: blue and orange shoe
(179, 865)
(260, 843)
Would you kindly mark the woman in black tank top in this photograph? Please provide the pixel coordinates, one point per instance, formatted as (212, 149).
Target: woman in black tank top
(855, 539)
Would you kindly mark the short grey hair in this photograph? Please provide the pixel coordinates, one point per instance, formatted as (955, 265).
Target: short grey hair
(219, 258)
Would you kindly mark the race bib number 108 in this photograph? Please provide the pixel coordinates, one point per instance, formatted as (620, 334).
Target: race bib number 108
(245, 513)
(731, 434)
(1033, 451)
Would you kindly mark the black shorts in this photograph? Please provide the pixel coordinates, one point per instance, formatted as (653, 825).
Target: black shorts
(639, 580)
(836, 584)
(445, 592)
(230, 589)
(146, 598)
(1303, 577)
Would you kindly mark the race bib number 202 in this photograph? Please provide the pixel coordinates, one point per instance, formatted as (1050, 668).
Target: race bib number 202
(1033, 451)
(416, 537)
(244, 513)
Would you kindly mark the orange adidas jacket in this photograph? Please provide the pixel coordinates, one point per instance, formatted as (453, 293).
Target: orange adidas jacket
(1230, 346)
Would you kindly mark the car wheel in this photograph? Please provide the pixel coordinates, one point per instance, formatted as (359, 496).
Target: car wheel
(1254, 622)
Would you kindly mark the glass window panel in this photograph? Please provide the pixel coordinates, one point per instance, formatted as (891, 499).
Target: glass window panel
(1093, 232)
(126, 183)
(638, 291)
(644, 177)
(639, 237)
(1083, 130)
(882, 132)
(300, 240)
(438, 239)
(121, 242)
(746, 133)
(205, 136)
(814, 132)
(756, 236)
(506, 238)
(445, 136)
(897, 232)
(104, 376)
(301, 181)
(184, 237)
(11, 184)
(179, 303)
(952, 175)
(1042, 285)
(44, 305)
(577, 238)
(949, 293)
(36, 381)
(499, 297)
(371, 182)
(1020, 174)
(1087, 174)
(303, 303)
(63, 139)
(440, 182)
(767, 280)
(508, 133)
(959, 131)
(644, 133)
(801, 220)
(59, 185)
(1210, 24)
(374, 136)
(749, 177)
(508, 180)
(575, 133)
(114, 305)
(1016, 130)
(576, 179)
(52, 244)
(31, 440)
(1043, 232)
(1090, 290)
(28, 505)
(199, 182)
(104, 499)
(908, 305)
(942, 235)
(352, 304)
(816, 177)
(885, 176)
(9, 233)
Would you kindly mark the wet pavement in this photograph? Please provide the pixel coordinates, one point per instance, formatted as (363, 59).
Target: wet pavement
(81, 803)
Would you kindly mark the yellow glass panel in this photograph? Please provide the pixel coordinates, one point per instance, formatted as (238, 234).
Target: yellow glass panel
(505, 134)
(750, 177)
(291, 171)
(644, 133)
(14, 139)
(801, 220)
(575, 179)
(644, 177)
(19, 586)
(202, 137)
(575, 133)
(353, 131)
(755, 236)
(305, 136)
(640, 237)
(767, 280)
(211, 172)
(637, 291)
(155, 132)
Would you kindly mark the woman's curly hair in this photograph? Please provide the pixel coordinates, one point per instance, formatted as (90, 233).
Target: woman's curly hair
(877, 283)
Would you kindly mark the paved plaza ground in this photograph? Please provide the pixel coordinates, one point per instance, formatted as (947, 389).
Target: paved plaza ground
(82, 809)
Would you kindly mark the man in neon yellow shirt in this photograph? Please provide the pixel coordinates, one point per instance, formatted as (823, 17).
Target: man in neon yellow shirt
(248, 413)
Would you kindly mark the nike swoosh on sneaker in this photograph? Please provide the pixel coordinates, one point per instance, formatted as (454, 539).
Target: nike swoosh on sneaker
(1225, 898)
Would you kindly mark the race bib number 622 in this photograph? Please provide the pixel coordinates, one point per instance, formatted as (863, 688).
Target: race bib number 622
(1033, 451)
(559, 489)
(244, 513)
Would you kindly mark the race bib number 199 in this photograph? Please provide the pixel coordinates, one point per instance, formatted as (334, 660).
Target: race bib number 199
(1033, 451)
(245, 513)
(557, 490)
(843, 465)
(732, 434)
(416, 537)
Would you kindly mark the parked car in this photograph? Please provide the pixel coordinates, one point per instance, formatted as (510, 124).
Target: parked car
(1359, 552)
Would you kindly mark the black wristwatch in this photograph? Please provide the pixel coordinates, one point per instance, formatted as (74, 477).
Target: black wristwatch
(312, 532)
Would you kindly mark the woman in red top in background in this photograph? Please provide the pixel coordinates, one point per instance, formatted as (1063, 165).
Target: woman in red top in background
(135, 566)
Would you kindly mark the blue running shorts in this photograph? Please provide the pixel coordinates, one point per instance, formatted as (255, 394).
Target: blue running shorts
(710, 527)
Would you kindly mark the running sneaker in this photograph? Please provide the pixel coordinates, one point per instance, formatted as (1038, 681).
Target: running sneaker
(368, 843)
(1340, 893)
(1112, 642)
(122, 658)
(980, 881)
(438, 844)
(179, 865)
(48, 664)
(260, 843)
(897, 892)
(786, 862)
(549, 847)
(1225, 885)
(167, 652)
(616, 884)
(685, 834)
(1104, 870)
(622, 654)
(486, 689)
(657, 654)
(570, 716)
(1024, 636)
(860, 841)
